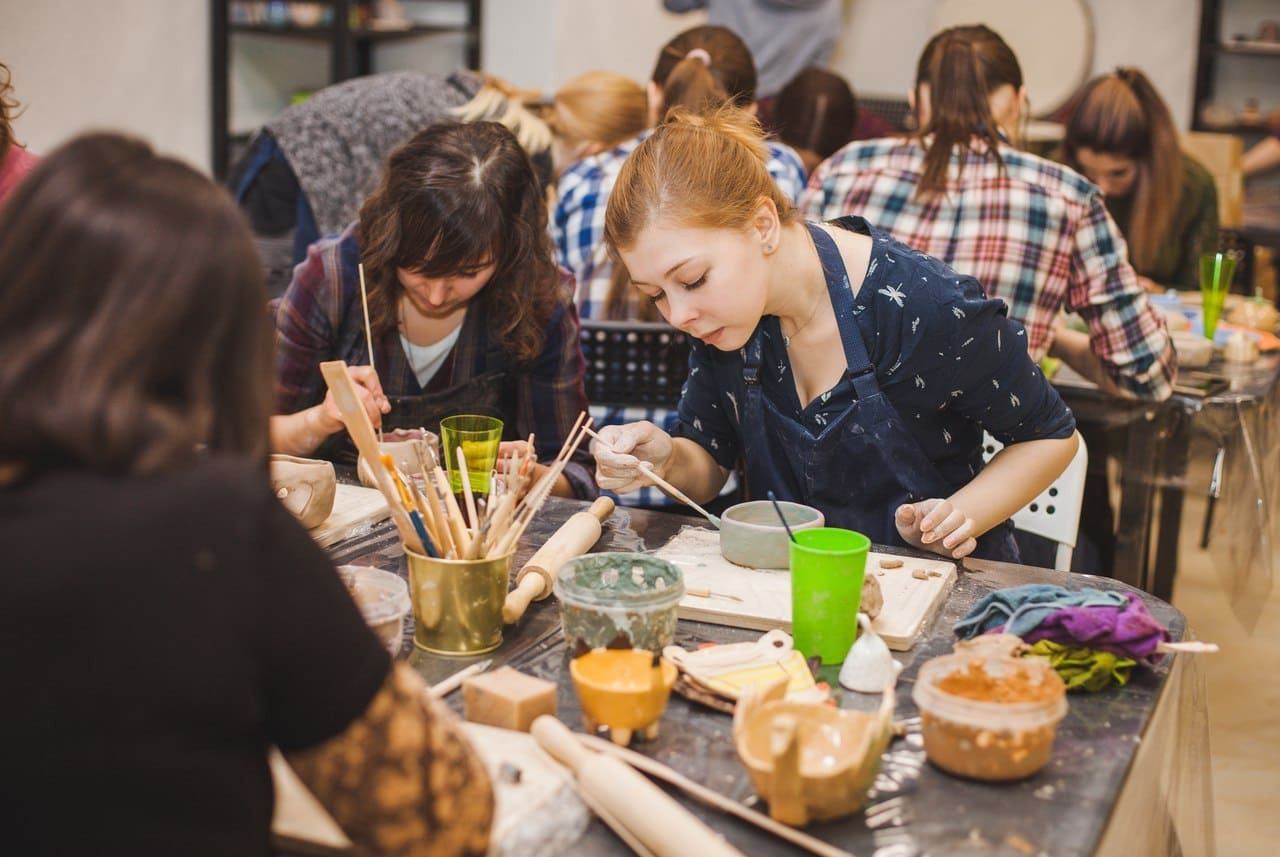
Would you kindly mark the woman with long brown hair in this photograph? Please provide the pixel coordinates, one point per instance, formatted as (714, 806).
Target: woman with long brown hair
(185, 620)
(1032, 231)
(468, 311)
(1122, 138)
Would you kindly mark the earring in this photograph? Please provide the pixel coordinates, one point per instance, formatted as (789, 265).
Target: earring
(768, 248)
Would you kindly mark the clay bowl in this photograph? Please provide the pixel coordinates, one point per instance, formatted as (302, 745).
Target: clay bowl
(810, 762)
(752, 535)
(623, 689)
(400, 444)
(306, 486)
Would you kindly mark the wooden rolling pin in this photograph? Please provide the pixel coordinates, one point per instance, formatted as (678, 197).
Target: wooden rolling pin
(574, 538)
(646, 811)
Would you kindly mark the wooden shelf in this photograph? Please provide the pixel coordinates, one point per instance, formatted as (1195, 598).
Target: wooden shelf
(1250, 49)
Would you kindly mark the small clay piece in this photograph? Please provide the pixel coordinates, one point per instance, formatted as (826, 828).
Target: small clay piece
(872, 597)
(933, 572)
(890, 562)
(507, 698)
(919, 574)
(773, 735)
(306, 487)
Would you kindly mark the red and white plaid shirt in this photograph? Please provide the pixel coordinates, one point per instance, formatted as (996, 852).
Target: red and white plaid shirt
(1036, 235)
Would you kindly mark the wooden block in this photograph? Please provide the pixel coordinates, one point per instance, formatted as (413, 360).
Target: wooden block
(507, 698)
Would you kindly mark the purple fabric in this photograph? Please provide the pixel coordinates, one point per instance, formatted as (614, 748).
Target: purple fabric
(1129, 630)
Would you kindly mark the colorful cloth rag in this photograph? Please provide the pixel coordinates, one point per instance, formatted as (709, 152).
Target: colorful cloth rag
(1129, 631)
(1020, 609)
(1085, 669)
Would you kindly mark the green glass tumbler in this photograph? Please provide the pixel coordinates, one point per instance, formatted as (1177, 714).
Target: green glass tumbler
(827, 566)
(1216, 272)
(479, 438)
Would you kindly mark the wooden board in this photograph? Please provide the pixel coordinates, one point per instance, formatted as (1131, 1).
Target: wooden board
(355, 508)
(909, 603)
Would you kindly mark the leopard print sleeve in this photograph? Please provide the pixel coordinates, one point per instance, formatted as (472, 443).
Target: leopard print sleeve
(402, 780)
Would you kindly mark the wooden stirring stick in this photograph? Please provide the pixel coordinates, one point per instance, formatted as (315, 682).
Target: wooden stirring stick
(368, 332)
(670, 490)
(361, 430)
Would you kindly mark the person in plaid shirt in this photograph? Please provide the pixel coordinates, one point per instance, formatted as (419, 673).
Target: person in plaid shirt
(468, 310)
(1031, 231)
(699, 68)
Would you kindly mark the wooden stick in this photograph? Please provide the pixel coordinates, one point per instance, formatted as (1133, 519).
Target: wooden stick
(467, 495)
(368, 332)
(1187, 647)
(454, 515)
(704, 795)
(360, 428)
(442, 689)
(674, 492)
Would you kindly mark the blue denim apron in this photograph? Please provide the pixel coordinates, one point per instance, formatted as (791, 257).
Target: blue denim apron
(866, 462)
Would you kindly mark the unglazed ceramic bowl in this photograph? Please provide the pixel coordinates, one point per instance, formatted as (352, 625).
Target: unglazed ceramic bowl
(752, 535)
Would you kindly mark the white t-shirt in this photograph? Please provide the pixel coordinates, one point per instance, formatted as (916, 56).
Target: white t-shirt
(425, 360)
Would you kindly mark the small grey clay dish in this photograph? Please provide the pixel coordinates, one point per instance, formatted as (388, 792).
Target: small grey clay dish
(752, 535)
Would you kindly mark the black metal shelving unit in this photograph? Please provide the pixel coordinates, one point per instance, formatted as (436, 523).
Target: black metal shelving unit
(350, 55)
(1213, 50)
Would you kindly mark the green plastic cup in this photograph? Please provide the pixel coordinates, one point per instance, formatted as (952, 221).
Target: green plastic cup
(1216, 272)
(479, 438)
(827, 564)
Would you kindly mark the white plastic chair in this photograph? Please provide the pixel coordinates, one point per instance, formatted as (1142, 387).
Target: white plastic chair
(1055, 514)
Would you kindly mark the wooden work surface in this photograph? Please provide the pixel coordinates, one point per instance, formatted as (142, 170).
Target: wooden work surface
(1088, 800)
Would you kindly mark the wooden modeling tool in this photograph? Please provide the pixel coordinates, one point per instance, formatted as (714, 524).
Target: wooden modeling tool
(410, 506)
(467, 495)
(670, 490)
(368, 331)
(574, 538)
(443, 688)
(655, 819)
(703, 592)
(711, 798)
(360, 428)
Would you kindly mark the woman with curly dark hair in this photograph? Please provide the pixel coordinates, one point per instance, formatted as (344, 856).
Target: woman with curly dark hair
(15, 160)
(468, 311)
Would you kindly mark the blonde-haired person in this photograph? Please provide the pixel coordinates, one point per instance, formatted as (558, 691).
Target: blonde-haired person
(1122, 138)
(699, 69)
(848, 371)
(592, 113)
(1032, 231)
(15, 160)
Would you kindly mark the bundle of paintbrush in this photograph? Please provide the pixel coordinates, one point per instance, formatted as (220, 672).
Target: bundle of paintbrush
(489, 528)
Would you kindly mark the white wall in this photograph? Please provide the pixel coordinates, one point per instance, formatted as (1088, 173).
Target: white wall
(138, 65)
(143, 65)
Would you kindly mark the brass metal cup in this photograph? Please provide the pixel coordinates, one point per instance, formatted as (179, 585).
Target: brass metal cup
(457, 603)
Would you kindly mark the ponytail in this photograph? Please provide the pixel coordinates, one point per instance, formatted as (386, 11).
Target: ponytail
(691, 85)
(962, 66)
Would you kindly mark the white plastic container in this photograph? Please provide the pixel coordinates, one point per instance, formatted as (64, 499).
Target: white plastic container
(383, 599)
(1194, 351)
(990, 740)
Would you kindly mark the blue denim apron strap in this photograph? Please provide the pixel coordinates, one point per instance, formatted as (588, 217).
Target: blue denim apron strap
(865, 462)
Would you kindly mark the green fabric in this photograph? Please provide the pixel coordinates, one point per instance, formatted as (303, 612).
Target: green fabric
(1194, 229)
(1085, 669)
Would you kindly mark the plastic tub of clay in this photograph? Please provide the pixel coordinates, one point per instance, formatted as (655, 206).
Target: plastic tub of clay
(618, 601)
(989, 718)
(751, 534)
(383, 599)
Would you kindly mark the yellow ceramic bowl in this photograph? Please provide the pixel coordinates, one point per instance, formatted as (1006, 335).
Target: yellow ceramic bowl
(620, 688)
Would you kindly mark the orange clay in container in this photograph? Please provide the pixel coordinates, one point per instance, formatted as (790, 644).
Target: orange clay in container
(989, 718)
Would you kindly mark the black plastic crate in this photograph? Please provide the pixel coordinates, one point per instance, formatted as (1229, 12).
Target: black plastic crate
(634, 363)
